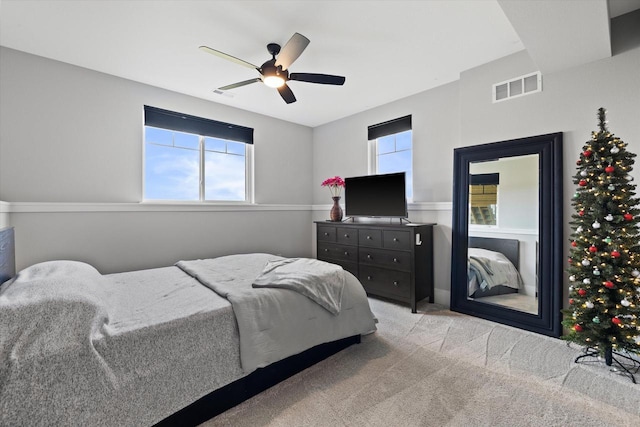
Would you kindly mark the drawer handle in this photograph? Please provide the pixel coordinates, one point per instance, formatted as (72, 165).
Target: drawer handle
(346, 235)
(326, 250)
(395, 260)
(368, 277)
(326, 234)
(395, 283)
(368, 256)
(395, 239)
(368, 237)
(346, 253)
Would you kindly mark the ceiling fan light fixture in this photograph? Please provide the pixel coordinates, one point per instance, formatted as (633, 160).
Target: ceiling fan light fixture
(273, 81)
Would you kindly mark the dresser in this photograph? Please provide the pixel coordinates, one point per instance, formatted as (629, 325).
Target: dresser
(394, 261)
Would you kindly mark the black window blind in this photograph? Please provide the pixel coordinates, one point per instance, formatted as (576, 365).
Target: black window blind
(389, 128)
(172, 120)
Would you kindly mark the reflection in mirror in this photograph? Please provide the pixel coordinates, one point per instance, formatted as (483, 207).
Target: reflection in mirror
(507, 232)
(503, 232)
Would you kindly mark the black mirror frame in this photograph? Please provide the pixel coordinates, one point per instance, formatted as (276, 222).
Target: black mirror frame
(550, 273)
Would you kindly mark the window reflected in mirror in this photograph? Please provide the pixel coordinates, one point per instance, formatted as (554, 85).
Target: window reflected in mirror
(483, 198)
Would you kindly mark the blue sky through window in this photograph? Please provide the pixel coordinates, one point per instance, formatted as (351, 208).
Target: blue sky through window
(172, 167)
(395, 155)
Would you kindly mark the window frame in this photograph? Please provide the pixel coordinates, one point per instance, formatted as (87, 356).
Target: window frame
(374, 155)
(249, 194)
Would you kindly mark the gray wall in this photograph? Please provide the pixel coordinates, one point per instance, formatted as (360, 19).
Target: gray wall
(72, 135)
(462, 114)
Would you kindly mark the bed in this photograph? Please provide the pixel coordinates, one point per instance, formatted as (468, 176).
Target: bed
(161, 346)
(492, 267)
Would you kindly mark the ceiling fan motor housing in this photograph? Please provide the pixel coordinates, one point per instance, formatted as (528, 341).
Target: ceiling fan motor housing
(269, 68)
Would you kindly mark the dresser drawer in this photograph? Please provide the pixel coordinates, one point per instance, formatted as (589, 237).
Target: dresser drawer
(326, 233)
(388, 283)
(395, 260)
(346, 236)
(370, 238)
(396, 239)
(329, 251)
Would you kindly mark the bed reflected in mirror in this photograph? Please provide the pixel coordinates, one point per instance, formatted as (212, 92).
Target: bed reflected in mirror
(503, 232)
(507, 232)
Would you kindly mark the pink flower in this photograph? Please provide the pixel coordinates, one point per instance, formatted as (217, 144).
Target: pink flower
(335, 185)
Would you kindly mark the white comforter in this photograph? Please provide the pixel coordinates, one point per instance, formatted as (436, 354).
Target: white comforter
(275, 323)
(79, 348)
(489, 268)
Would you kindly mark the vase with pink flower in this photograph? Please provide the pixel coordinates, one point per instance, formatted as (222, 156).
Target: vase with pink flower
(335, 185)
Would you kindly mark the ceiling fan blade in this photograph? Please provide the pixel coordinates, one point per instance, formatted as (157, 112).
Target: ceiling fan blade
(243, 83)
(325, 79)
(286, 94)
(227, 57)
(292, 50)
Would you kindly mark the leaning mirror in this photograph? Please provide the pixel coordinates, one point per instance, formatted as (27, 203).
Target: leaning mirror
(507, 232)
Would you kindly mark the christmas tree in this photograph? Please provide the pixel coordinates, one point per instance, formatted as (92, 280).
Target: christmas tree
(604, 260)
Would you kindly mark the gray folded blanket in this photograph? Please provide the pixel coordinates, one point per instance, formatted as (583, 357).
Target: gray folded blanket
(317, 280)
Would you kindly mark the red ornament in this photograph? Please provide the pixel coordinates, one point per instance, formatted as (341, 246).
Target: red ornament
(574, 244)
(572, 301)
(569, 260)
(582, 292)
(582, 182)
(578, 162)
(609, 169)
(628, 216)
(609, 284)
(593, 249)
(581, 213)
(577, 328)
(616, 321)
(615, 254)
(587, 153)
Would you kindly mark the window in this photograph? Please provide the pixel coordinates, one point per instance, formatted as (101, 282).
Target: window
(390, 148)
(483, 198)
(189, 158)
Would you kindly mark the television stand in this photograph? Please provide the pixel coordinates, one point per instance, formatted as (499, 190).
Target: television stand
(394, 261)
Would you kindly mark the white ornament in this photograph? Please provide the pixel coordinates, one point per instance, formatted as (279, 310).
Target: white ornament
(609, 217)
(583, 173)
(635, 273)
(586, 262)
(611, 187)
(586, 281)
(629, 178)
(579, 229)
(570, 288)
(596, 224)
(572, 278)
(589, 304)
(637, 339)
(596, 272)
(615, 150)
(625, 303)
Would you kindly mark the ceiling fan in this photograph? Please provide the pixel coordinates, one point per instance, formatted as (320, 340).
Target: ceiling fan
(274, 72)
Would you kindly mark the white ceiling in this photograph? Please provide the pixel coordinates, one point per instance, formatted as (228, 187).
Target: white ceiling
(386, 49)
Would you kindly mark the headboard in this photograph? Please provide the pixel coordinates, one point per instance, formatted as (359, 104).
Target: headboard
(7, 254)
(509, 247)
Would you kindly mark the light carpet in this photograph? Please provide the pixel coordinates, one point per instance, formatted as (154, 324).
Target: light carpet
(440, 368)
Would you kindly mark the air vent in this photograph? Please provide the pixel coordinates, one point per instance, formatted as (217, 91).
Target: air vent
(223, 93)
(520, 86)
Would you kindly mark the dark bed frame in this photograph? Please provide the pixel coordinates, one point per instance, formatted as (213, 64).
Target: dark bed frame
(509, 248)
(231, 394)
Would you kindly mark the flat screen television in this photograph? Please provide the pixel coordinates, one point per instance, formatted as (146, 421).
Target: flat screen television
(376, 196)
